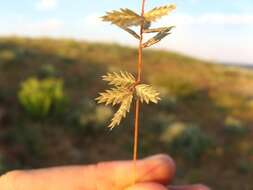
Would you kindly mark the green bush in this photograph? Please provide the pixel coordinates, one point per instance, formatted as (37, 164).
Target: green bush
(173, 131)
(7, 56)
(245, 166)
(234, 126)
(97, 117)
(2, 164)
(39, 97)
(168, 103)
(47, 70)
(89, 116)
(187, 140)
(233, 122)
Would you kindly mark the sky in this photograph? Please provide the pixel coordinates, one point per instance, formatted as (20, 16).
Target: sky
(215, 30)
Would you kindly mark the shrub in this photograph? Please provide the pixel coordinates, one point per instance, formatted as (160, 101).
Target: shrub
(234, 126)
(7, 56)
(2, 164)
(90, 116)
(245, 166)
(173, 131)
(187, 140)
(47, 70)
(168, 102)
(39, 97)
(97, 117)
(102, 114)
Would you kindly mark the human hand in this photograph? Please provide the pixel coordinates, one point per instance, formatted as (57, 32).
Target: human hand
(152, 173)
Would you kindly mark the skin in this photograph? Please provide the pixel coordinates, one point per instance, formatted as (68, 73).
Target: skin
(152, 173)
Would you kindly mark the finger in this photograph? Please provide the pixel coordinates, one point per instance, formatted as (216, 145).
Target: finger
(103, 176)
(62, 178)
(147, 186)
(159, 169)
(190, 187)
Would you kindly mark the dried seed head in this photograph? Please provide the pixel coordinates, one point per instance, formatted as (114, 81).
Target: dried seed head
(122, 79)
(147, 93)
(122, 111)
(123, 18)
(113, 96)
(159, 12)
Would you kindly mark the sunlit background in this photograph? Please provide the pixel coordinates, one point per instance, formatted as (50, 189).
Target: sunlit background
(219, 30)
(54, 52)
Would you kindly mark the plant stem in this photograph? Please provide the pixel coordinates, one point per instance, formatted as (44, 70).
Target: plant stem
(137, 106)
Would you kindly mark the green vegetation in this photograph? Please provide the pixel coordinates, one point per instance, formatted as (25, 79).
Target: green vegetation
(234, 126)
(187, 141)
(38, 97)
(206, 111)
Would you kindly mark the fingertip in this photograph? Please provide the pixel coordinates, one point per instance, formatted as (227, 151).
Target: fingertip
(147, 186)
(164, 166)
(156, 156)
(159, 169)
(164, 159)
(201, 187)
(190, 187)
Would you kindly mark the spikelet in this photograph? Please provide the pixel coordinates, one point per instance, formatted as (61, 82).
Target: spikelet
(159, 12)
(123, 18)
(147, 93)
(122, 79)
(113, 96)
(133, 33)
(123, 110)
(154, 30)
(157, 38)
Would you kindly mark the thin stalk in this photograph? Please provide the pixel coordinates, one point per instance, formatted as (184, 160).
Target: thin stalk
(137, 105)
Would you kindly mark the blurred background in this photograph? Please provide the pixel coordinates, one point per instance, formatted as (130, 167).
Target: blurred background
(53, 53)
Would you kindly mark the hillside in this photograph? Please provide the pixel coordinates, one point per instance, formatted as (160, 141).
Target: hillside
(204, 119)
